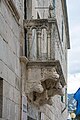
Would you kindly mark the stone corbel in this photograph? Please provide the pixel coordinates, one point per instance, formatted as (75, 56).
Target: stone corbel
(34, 86)
(57, 90)
(49, 73)
(43, 90)
(23, 59)
(46, 96)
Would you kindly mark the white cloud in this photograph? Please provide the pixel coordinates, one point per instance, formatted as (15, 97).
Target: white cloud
(74, 52)
(73, 82)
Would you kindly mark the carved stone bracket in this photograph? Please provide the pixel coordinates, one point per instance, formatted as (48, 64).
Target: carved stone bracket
(34, 86)
(23, 59)
(42, 85)
(49, 73)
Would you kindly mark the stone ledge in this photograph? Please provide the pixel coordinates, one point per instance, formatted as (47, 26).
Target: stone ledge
(38, 23)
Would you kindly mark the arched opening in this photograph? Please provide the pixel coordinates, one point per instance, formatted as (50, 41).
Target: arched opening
(44, 43)
(32, 44)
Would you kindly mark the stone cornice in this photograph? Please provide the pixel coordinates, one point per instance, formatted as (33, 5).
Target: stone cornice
(54, 63)
(34, 23)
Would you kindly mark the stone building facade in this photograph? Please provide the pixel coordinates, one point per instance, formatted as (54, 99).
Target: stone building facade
(34, 38)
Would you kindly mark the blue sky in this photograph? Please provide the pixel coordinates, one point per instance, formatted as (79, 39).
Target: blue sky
(73, 8)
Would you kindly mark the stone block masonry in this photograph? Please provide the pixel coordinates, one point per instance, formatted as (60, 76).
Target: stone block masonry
(15, 74)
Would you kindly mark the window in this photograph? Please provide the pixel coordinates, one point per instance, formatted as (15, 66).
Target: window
(25, 9)
(38, 16)
(39, 114)
(64, 98)
(66, 102)
(54, 7)
(44, 44)
(61, 98)
(1, 96)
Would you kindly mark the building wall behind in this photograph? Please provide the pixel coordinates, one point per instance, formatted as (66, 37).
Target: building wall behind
(62, 53)
(10, 68)
(11, 44)
(58, 110)
(54, 112)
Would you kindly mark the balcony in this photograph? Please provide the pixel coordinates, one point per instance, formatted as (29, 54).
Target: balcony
(40, 34)
(43, 71)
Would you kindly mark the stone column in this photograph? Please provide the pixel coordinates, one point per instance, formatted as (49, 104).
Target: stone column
(53, 32)
(38, 43)
(29, 44)
(48, 44)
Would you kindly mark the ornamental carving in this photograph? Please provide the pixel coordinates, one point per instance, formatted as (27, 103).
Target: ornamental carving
(49, 73)
(45, 77)
(41, 28)
(42, 90)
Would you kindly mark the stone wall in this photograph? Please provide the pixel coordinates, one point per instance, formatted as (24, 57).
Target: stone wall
(54, 112)
(10, 68)
(61, 45)
(11, 48)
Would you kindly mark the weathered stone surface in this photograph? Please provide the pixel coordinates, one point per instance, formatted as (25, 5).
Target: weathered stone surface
(3, 70)
(41, 83)
(13, 9)
(16, 96)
